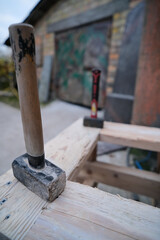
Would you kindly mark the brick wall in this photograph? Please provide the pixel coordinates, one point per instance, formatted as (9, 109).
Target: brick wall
(68, 8)
(60, 11)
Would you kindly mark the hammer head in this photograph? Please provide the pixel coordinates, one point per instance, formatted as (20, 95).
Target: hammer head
(93, 122)
(48, 182)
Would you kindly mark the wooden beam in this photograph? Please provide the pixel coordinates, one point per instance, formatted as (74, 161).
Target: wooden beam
(20, 207)
(131, 179)
(82, 180)
(158, 162)
(7, 181)
(94, 14)
(131, 135)
(71, 148)
(82, 212)
(88, 181)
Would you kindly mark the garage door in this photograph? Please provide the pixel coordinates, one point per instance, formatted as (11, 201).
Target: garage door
(77, 52)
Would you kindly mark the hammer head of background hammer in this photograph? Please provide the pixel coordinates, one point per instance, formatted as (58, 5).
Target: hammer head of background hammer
(93, 122)
(48, 182)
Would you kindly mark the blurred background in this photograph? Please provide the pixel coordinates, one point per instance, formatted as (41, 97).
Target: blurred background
(120, 37)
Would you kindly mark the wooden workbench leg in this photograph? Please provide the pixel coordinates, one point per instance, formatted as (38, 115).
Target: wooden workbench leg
(156, 203)
(93, 155)
(158, 162)
(88, 181)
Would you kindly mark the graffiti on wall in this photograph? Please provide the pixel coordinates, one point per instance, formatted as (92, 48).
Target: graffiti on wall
(77, 52)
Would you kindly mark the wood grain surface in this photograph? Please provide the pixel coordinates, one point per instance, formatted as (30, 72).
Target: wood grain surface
(131, 179)
(131, 135)
(20, 207)
(23, 47)
(82, 212)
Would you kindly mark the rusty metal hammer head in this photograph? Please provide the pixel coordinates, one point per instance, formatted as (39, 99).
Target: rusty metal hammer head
(32, 169)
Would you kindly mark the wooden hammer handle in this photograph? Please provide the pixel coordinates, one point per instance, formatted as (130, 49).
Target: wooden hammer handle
(23, 47)
(95, 92)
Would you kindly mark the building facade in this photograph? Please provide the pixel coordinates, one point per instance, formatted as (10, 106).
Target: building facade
(81, 35)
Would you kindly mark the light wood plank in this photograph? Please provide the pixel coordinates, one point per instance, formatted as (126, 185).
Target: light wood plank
(131, 179)
(19, 211)
(71, 148)
(82, 212)
(21, 207)
(85, 181)
(88, 181)
(7, 181)
(131, 135)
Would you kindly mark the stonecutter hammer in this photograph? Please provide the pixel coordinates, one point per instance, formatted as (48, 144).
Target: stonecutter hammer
(93, 121)
(32, 169)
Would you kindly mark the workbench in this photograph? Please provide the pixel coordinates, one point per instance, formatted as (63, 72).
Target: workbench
(83, 212)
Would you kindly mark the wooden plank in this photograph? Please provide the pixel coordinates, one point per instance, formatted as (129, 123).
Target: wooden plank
(92, 158)
(45, 79)
(7, 181)
(127, 67)
(87, 181)
(39, 49)
(131, 135)
(158, 162)
(71, 148)
(19, 211)
(131, 179)
(146, 108)
(95, 14)
(119, 103)
(22, 207)
(82, 212)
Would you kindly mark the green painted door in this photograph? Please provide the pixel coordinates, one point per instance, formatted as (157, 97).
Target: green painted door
(77, 52)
